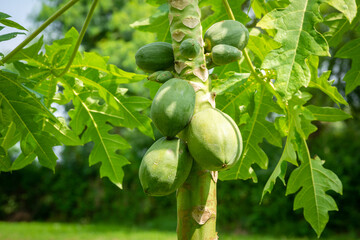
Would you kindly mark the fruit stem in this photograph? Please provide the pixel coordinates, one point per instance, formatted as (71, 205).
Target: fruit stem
(51, 19)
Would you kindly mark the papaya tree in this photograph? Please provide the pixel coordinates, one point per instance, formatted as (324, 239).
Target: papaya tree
(224, 76)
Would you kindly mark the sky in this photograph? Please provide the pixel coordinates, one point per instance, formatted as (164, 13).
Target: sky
(20, 12)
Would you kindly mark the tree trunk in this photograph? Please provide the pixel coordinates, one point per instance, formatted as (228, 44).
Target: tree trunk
(196, 198)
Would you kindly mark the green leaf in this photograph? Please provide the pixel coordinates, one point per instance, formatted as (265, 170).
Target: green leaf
(288, 155)
(322, 82)
(4, 15)
(107, 89)
(156, 2)
(262, 7)
(352, 77)
(338, 27)
(328, 114)
(299, 40)
(157, 23)
(230, 83)
(28, 112)
(12, 24)
(253, 132)
(9, 36)
(347, 7)
(219, 12)
(310, 182)
(94, 119)
(261, 44)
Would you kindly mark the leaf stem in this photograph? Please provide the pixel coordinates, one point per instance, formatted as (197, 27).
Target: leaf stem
(51, 19)
(80, 38)
(268, 85)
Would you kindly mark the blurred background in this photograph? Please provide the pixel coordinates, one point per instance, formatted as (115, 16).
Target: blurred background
(75, 193)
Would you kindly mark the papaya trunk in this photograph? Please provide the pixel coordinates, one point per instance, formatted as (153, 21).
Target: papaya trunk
(196, 198)
(196, 206)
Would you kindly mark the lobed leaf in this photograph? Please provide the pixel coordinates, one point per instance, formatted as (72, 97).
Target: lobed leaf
(299, 40)
(310, 182)
(253, 132)
(351, 50)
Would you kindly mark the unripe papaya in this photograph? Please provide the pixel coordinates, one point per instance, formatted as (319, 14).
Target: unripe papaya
(155, 56)
(164, 167)
(222, 54)
(214, 140)
(189, 48)
(227, 32)
(173, 106)
(160, 76)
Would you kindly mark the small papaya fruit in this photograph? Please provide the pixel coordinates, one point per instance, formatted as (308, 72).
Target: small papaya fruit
(222, 54)
(189, 48)
(155, 56)
(214, 140)
(227, 32)
(173, 106)
(165, 167)
(160, 76)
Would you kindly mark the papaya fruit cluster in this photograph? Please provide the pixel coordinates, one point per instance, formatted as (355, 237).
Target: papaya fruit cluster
(224, 41)
(208, 136)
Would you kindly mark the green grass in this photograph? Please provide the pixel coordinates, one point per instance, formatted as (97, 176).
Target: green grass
(71, 231)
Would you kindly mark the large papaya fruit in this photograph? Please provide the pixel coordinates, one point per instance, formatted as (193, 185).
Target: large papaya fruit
(214, 140)
(227, 32)
(155, 56)
(173, 106)
(164, 167)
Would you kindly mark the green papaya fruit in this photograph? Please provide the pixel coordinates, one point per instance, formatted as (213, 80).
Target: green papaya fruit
(173, 106)
(214, 140)
(160, 76)
(227, 32)
(165, 167)
(155, 56)
(222, 54)
(189, 48)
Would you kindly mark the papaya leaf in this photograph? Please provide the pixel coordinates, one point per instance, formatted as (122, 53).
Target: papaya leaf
(261, 44)
(157, 23)
(299, 40)
(322, 83)
(310, 182)
(236, 101)
(288, 155)
(253, 132)
(93, 118)
(107, 89)
(9, 36)
(232, 82)
(262, 7)
(338, 27)
(12, 24)
(219, 12)
(28, 112)
(328, 114)
(347, 7)
(351, 50)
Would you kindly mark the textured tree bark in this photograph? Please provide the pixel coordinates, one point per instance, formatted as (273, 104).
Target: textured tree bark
(196, 198)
